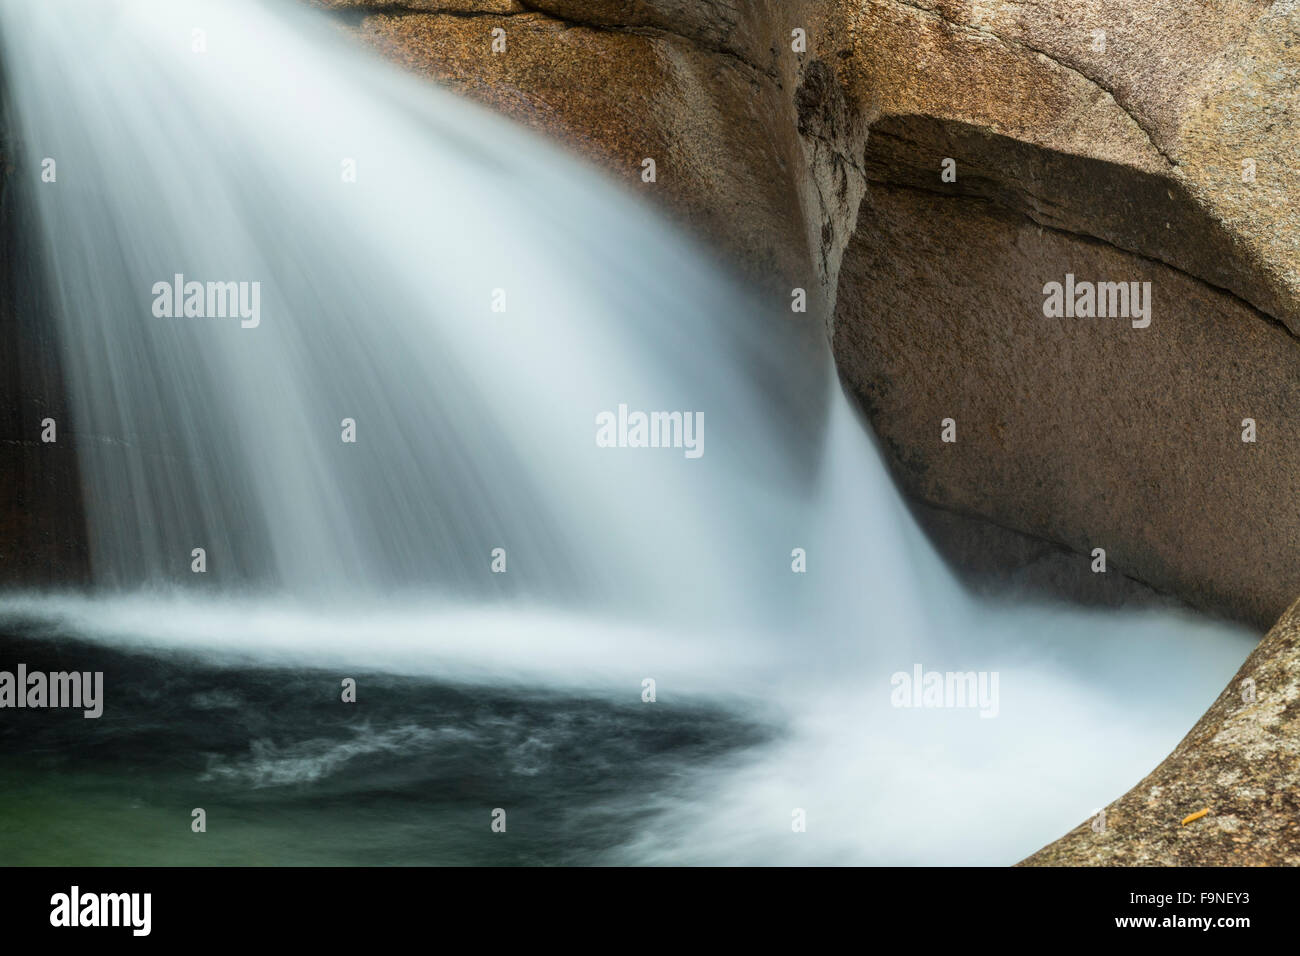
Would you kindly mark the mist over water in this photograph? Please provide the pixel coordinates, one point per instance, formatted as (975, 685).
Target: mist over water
(476, 430)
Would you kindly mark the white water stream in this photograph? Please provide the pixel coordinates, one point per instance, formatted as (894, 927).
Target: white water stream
(476, 430)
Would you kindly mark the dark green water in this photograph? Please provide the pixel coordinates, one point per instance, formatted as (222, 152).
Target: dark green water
(289, 774)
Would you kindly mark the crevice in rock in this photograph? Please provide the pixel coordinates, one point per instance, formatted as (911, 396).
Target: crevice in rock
(998, 572)
(536, 12)
(832, 131)
(1090, 199)
(1020, 45)
(647, 30)
(1100, 241)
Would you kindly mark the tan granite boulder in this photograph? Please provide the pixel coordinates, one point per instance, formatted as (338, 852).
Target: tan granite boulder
(1113, 142)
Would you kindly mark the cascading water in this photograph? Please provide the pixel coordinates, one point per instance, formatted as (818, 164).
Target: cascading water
(471, 301)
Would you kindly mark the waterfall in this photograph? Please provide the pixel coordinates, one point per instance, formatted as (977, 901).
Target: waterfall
(260, 242)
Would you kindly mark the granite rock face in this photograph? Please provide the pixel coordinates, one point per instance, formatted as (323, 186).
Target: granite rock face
(1086, 432)
(1114, 142)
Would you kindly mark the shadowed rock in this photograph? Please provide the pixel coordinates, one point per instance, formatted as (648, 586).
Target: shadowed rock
(42, 524)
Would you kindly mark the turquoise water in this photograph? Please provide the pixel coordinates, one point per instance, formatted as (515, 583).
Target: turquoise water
(290, 775)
